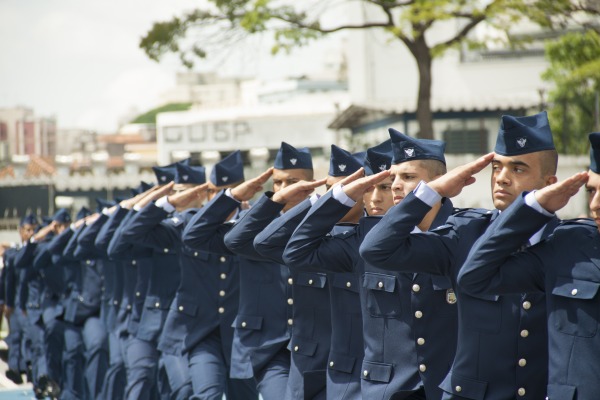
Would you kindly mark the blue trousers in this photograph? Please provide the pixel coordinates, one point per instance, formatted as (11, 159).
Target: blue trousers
(115, 379)
(174, 377)
(54, 343)
(271, 381)
(209, 366)
(95, 341)
(85, 360)
(39, 364)
(18, 346)
(73, 387)
(142, 362)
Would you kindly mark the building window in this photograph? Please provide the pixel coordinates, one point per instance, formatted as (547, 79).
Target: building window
(471, 141)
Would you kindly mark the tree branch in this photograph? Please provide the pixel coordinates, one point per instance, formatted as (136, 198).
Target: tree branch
(390, 5)
(474, 21)
(316, 27)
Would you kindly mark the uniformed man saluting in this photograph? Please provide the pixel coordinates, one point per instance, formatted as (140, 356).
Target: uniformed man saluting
(501, 350)
(311, 332)
(397, 350)
(264, 320)
(566, 267)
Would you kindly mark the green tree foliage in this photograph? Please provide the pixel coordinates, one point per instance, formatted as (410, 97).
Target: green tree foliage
(575, 72)
(296, 23)
(150, 116)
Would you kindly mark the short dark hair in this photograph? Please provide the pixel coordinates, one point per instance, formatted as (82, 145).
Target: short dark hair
(548, 162)
(310, 174)
(434, 167)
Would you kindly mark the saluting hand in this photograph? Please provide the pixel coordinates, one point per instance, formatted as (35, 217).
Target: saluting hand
(453, 182)
(129, 203)
(182, 199)
(297, 192)
(90, 219)
(554, 197)
(42, 233)
(77, 224)
(245, 191)
(155, 194)
(355, 187)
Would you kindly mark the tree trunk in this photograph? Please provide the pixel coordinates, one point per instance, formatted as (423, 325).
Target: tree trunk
(423, 58)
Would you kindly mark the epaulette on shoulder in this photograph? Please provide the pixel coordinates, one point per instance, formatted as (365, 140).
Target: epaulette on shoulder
(578, 221)
(344, 234)
(472, 213)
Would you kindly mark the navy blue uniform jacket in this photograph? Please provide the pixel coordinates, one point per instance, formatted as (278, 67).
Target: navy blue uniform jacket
(567, 268)
(261, 327)
(401, 354)
(494, 332)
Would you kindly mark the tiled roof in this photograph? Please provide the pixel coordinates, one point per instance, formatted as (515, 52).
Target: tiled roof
(37, 166)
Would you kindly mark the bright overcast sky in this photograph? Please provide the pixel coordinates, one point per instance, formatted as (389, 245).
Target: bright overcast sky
(80, 60)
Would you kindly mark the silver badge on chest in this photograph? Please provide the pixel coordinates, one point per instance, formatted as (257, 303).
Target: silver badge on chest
(450, 296)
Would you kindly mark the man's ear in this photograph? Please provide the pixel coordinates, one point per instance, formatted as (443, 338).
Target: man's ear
(551, 179)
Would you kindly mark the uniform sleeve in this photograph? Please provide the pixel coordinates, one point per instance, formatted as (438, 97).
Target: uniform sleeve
(117, 246)
(271, 241)
(58, 244)
(240, 239)
(207, 228)
(85, 241)
(8, 273)
(494, 264)
(51, 273)
(69, 250)
(43, 257)
(391, 245)
(108, 229)
(145, 229)
(311, 246)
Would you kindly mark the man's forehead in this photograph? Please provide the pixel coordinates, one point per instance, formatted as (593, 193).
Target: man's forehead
(408, 166)
(529, 159)
(282, 174)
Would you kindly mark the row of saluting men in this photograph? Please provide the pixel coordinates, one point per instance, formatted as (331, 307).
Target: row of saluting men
(379, 289)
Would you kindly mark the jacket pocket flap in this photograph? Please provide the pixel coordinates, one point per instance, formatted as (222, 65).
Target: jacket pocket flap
(464, 387)
(303, 346)
(157, 302)
(385, 283)
(197, 254)
(186, 307)
(341, 362)
(247, 322)
(575, 288)
(346, 281)
(312, 279)
(378, 372)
